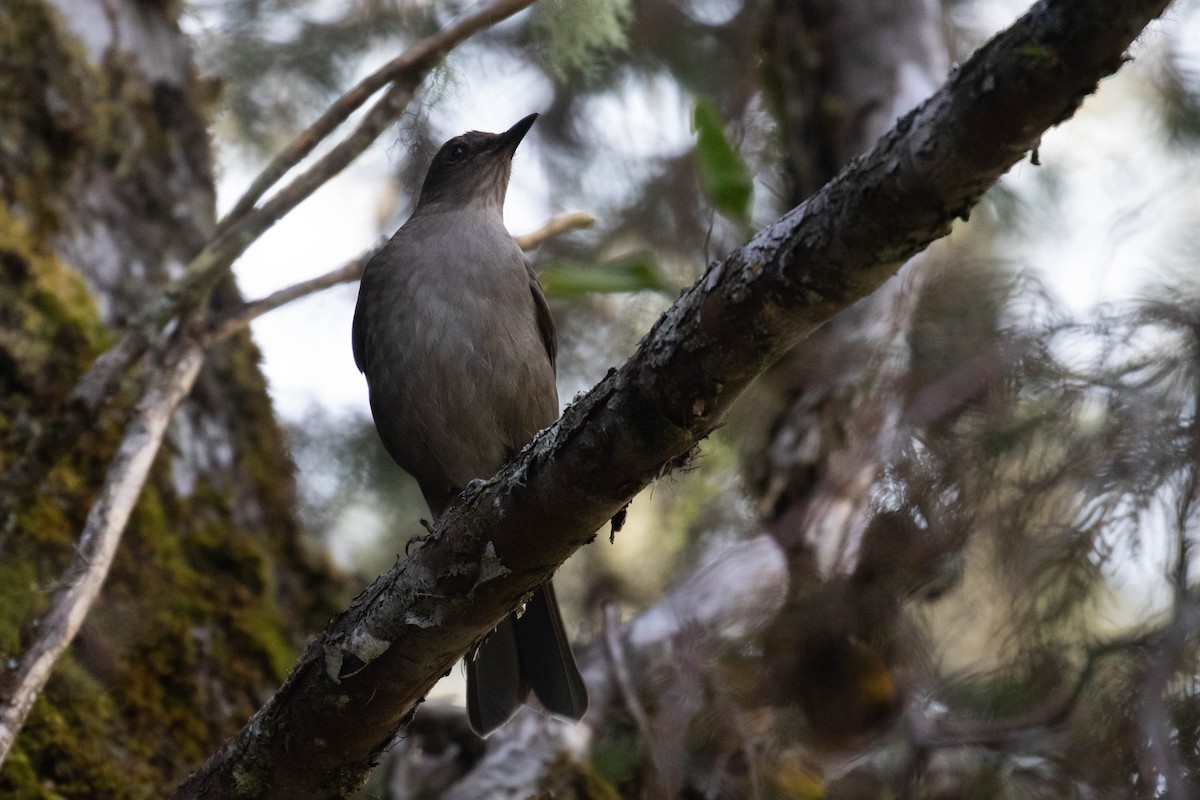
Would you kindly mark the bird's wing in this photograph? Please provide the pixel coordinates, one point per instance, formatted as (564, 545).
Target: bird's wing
(545, 322)
(358, 333)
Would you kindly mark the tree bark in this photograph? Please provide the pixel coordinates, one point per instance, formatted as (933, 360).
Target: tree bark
(365, 675)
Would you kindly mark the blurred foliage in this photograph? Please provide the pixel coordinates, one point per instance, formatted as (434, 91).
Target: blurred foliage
(632, 273)
(353, 498)
(723, 175)
(574, 35)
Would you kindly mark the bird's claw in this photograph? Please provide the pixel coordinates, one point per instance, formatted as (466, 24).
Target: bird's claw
(419, 539)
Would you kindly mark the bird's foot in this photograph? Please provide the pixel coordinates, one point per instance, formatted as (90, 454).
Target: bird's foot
(419, 539)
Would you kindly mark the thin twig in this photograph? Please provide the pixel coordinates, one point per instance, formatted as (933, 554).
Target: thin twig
(554, 227)
(240, 318)
(621, 676)
(167, 386)
(235, 234)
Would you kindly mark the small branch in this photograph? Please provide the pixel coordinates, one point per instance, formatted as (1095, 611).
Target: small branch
(554, 227)
(615, 654)
(240, 318)
(167, 386)
(243, 226)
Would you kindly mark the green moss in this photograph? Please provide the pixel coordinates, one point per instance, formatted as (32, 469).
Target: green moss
(617, 756)
(47, 81)
(20, 600)
(567, 777)
(49, 328)
(19, 778)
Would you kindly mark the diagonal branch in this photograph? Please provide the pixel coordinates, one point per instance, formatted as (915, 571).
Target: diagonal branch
(168, 384)
(365, 675)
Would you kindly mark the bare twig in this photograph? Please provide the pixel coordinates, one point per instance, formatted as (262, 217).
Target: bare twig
(555, 226)
(168, 385)
(615, 654)
(241, 317)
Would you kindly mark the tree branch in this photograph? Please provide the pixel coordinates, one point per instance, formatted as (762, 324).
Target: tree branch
(168, 384)
(365, 675)
(553, 227)
(77, 597)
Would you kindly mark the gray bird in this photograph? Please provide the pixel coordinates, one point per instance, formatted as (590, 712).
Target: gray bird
(458, 347)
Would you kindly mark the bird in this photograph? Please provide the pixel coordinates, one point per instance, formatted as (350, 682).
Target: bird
(459, 350)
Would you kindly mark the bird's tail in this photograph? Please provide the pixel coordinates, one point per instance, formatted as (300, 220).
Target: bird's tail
(524, 654)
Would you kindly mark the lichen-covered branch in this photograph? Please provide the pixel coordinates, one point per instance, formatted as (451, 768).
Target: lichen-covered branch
(168, 384)
(365, 675)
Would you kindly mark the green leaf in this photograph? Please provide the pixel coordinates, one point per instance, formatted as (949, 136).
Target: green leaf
(723, 174)
(635, 272)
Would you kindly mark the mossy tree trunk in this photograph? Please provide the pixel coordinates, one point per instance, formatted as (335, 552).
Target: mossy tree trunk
(105, 192)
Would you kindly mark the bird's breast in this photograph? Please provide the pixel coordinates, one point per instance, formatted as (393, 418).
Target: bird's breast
(458, 351)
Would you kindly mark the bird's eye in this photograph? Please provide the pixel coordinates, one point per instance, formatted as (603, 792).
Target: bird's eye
(457, 152)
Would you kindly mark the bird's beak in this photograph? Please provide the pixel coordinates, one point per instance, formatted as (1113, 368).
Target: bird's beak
(507, 142)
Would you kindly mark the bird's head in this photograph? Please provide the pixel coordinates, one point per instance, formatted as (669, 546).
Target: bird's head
(472, 169)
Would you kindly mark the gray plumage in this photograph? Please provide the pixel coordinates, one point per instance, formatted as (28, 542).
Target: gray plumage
(458, 347)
